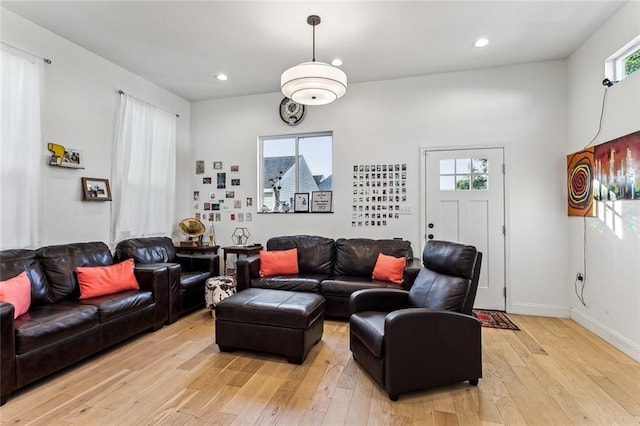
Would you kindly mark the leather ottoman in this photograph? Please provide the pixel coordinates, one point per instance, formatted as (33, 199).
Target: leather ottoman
(281, 322)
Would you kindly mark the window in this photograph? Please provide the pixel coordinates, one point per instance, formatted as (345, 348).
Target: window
(624, 62)
(291, 164)
(21, 147)
(143, 171)
(462, 174)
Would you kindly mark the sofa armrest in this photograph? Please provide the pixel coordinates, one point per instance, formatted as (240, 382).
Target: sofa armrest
(247, 268)
(199, 263)
(7, 351)
(448, 349)
(380, 300)
(156, 280)
(411, 271)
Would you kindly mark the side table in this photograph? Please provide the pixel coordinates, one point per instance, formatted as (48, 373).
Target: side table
(239, 250)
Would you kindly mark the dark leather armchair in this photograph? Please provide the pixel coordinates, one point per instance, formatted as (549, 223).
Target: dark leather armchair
(188, 273)
(425, 337)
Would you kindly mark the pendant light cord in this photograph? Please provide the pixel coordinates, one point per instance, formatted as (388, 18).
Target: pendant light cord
(314, 43)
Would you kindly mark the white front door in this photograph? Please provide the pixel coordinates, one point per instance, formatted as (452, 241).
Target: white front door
(465, 203)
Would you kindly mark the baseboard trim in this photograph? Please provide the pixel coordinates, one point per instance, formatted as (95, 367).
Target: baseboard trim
(607, 334)
(539, 310)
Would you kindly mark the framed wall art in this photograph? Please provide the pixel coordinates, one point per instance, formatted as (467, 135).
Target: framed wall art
(96, 189)
(321, 201)
(301, 202)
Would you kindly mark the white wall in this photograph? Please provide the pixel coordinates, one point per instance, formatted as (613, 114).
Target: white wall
(612, 289)
(80, 103)
(523, 107)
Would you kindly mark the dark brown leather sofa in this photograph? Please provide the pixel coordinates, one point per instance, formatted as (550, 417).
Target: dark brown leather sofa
(188, 273)
(332, 268)
(425, 337)
(59, 329)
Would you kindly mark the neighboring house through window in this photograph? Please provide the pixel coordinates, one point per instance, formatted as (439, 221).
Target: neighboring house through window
(291, 164)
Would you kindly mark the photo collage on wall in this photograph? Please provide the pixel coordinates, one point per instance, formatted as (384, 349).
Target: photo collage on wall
(218, 197)
(378, 192)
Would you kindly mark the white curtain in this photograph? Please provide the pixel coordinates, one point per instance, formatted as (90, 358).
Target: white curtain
(143, 172)
(20, 148)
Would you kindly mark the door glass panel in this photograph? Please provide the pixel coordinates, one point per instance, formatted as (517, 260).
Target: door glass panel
(462, 182)
(447, 167)
(447, 183)
(464, 174)
(480, 165)
(463, 165)
(480, 182)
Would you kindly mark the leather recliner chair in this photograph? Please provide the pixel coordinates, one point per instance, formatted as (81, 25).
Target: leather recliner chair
(425, 337)
(188, 273)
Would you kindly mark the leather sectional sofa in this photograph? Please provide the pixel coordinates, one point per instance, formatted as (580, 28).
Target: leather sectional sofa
(332, 268)
(59, 329)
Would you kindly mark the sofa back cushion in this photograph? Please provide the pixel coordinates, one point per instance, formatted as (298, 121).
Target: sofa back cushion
(447, 281)
(59, 264)
(358, 256)
(14, 262)
(315, 254)
(147, 250)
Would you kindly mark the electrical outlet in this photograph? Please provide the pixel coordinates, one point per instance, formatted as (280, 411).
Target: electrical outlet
(579, 276)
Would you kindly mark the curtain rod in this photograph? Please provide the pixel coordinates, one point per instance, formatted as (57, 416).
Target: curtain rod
(46, 60)
(142, 100)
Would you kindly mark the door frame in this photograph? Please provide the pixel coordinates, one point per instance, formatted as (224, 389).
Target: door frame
(506, 201)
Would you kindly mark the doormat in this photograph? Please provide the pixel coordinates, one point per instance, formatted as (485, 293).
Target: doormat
(495, 319)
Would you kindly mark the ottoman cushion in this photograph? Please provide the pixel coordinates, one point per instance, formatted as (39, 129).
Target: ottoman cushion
(278, 308)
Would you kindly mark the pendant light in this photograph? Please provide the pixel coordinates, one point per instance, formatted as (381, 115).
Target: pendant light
(313, 83)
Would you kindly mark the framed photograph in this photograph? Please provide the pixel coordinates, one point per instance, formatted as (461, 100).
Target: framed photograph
(301, 202)
(96, 189)
(321, 201)
(217, 165)
(235, 182)
(235, 168)
(199, 167)
(221, 180)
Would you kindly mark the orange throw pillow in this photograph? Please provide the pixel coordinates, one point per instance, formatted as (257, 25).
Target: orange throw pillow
(102, 280)
(17, 291)
(389, 268)
(278, 262)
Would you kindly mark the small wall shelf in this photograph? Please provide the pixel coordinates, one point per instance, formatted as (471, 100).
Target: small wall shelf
(67, 165)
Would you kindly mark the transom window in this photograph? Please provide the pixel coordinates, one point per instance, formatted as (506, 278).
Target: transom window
(624, 62)
(293, 164)
(464, 174)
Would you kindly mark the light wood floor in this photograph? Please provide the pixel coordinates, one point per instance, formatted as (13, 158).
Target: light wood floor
(553, 372)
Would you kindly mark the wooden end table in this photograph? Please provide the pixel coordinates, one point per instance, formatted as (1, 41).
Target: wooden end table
(238, 251)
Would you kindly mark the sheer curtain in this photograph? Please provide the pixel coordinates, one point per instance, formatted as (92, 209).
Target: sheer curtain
(20, 148)
(144, 170)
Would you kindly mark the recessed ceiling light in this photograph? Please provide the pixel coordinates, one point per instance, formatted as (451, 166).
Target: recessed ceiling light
(336, 62)
(481, 42)
(222, 77)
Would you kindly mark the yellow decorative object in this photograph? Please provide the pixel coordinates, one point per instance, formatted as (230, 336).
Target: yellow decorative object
(58, 153)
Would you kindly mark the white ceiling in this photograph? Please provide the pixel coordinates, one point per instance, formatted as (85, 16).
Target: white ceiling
(182, 45)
